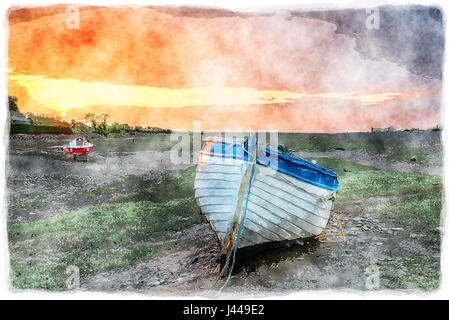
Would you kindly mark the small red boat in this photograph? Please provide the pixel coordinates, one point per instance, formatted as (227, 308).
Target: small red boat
(78, 146)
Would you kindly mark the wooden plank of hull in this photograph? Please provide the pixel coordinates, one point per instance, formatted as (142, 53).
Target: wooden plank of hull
(215, 200)
(218, 208)
(231, 177)
(264, 232)
(249, 237)
(202, 193)
(220, 226)
(280, 207)
(208, 184)
(220, 161)
(287, 219)
(266, 221)
(216, 186)
(276, 204)
(216, 168)
(220, 216)
(318, 207)
(269, 181)
(221, 236)
(276, 219)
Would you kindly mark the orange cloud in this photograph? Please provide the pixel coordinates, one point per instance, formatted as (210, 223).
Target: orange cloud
(70, 93)
(294, 68)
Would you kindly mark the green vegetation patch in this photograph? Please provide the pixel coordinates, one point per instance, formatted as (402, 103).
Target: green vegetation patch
(101, 237)
(406, 272)
(431, 155)
(299, 142)
(419, 212)
(29, 204)
(178, 187)
(341, 167)
(30, 128)
(410, 199)
(52, 275)
(362, 184)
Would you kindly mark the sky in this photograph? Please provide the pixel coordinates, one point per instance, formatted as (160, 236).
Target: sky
(285, 70)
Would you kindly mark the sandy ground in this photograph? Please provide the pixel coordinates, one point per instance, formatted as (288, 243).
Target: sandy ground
(52, 182)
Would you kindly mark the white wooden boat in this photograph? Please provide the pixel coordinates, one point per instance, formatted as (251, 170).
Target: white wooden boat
(289, 197)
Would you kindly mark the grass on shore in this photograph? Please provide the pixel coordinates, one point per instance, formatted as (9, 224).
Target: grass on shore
(414, 200)
(341, 167)
(132, 228)
(311, 142)
(410, 200)
(101, 237)
(431, 155)
(411, 272)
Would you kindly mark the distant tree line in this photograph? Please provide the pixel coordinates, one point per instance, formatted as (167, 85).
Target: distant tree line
(12, 101)
(99, 125)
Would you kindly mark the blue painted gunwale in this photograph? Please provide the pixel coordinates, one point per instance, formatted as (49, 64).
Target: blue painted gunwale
(287, 163)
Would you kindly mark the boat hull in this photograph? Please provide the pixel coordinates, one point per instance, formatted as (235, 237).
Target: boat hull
(78, 150)
(279, 207)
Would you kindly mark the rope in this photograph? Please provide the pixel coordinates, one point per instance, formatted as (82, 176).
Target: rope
(241, 225)
(342, 234)
(235, 247)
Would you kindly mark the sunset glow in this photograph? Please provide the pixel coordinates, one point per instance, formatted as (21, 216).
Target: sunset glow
(147, 67)
(69, 93)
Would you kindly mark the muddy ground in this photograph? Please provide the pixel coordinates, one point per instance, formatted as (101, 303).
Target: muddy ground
(44, 183)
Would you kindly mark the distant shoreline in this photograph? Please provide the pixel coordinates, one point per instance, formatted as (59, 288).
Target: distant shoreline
(51, 136)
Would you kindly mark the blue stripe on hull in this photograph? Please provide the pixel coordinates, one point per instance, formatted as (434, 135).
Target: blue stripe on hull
(285, 162)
